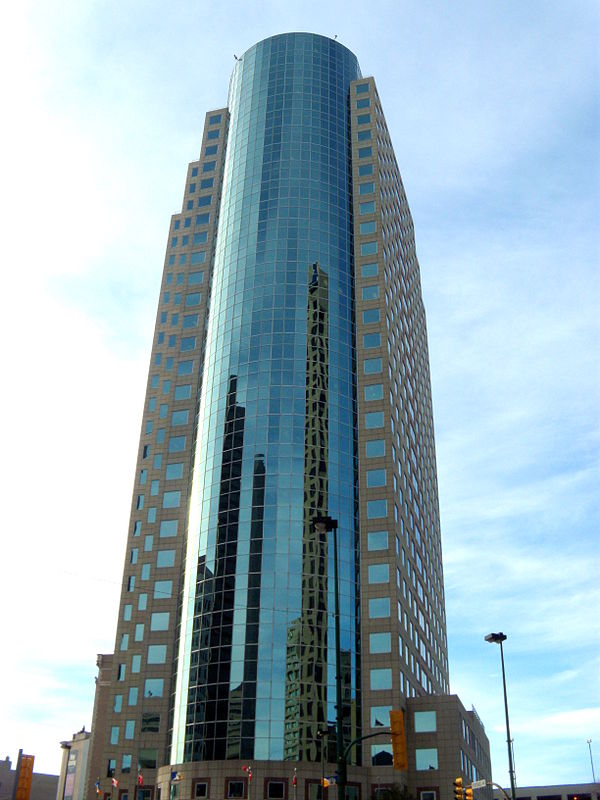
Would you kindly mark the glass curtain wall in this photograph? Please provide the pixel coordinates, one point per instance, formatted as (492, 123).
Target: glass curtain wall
(276, 437)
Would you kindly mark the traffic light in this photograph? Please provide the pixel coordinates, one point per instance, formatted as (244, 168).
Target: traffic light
(458, 789)
(468, 793)
(399, 753)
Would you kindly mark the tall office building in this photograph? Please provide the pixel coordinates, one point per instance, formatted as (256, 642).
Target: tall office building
(289, 381)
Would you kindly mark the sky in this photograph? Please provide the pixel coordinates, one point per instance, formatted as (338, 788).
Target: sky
(494, 114)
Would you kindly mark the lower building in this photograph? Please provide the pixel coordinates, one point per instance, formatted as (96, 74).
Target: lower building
(43, 787)
(71, 781)
(567, 791)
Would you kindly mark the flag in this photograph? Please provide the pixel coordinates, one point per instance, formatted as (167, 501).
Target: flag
(175, 777)
(97, 785)
(295, 778)
(248, 770)
(115, 783)
(325, 782)
(140, 779)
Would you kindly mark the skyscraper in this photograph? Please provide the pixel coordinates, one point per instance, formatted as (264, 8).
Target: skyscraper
(289, 381)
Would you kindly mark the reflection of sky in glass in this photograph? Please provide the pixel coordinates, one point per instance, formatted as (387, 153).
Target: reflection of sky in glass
(285, 206)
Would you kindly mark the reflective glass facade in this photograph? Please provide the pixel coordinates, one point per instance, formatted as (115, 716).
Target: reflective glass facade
(276, 443)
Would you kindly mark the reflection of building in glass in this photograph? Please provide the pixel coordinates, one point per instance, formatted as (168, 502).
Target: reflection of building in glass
(301, 389)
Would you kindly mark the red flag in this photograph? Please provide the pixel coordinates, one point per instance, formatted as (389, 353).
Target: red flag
(294, 779)
(115, 782)
(140, 779)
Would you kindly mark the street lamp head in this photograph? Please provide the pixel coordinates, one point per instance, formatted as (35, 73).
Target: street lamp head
(326, 522)
(496, 638)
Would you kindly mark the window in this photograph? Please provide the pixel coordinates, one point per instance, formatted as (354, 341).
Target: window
(133, 696)
(168, 527)
(204, 201)
(365, 169)
(369, 315)
(174, 471)
(276, 790)
(361, 88)
(367, 208)
(379, 573)
(375, 448)
(194, 171)
(370, 270)
(380, 642)
(215, 119)
(200, 789)
(171, 499)
(374, 391)
(176, 444)
(111, 767)
(207, 183)
(235, 788)
(150, 723)
(426, 758)
(377, 540)
(165, 558)
(376, 509)
(371, 340)
(379, 607)
(425, 722)
(373, 419)
(127, 609)
(136, 663)
(382, 755)
(114, 734)
(211, 150)
(157, 654)
(370, 292)
(368, 227)
(380, 716)
(202, 219)
(368, 248)
(381, 679)
(148, 543)
(125, 767)
(129, 728)
(376, 478)
(181, 417)
(364, 102)
(139, 632)
(212, 135)
(159, 621)
(117, 703)
(131, 583)
(147, 759)
(153, 687)
(163, 590)
(372, 366)
(183, 392)
(193, 299)
(197, 258)
(364, 136)
(366, 188)
(365, 152)
(196, 277)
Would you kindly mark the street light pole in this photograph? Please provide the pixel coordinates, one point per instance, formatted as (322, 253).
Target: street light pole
(589, 743)
(498, 638)
(331, 525)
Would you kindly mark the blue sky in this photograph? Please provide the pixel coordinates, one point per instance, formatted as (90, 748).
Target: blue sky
(494, 114)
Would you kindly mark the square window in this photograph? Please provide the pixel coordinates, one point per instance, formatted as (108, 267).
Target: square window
(368, 248)
(364, 136)
(370, 292)
(379, 573)
(368, 207)
(377, 540)
(363, 119)
(426, 758)
(163, 590)
(376, 478)
(276, 790)
(370, 315)
(235, 789)
(370, 270)
(171, 499)
(368, 227)
(380, 679)
(365, 169)
(165, 558)
(425, 722)
(200, 789)
(364, 102)
(372, 366)
(150, 723)
(365, 152)
(376, 509)
(366, 188)
(159, 621)
(157, 654)
(374, 392)
(380, 642)
(379, 607)
(361, 88)
(371, 340)
(373, 419)
(174, 471)
(153, 687)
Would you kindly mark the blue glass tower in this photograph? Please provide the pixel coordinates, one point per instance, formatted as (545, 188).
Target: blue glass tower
(289, 381)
